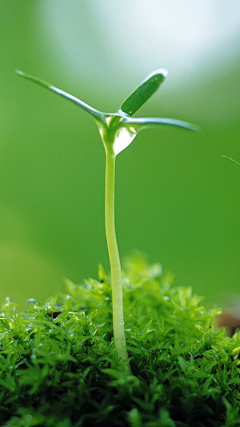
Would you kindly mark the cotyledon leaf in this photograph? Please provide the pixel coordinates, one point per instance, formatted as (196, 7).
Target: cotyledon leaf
(98, 115)
(138, 124)
(143, 92)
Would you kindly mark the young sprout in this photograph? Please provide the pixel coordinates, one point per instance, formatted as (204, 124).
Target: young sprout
(117, 131)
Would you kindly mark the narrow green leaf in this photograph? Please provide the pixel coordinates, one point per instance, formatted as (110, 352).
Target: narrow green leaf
(134, 418)
(231, 160)
(149, 122)
(95, 113)
(182, 363)
(111, 372)
(143, 92)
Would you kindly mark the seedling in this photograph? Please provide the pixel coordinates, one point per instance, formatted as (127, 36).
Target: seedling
(117, 131)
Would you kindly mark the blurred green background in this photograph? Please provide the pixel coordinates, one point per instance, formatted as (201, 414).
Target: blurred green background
(177, 199)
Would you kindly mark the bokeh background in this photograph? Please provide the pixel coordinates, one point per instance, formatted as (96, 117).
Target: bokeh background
(177, 199)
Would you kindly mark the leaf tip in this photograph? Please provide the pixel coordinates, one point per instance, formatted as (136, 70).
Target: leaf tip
(196, 128)
(19, 72)
(158, 75)
(161, 71)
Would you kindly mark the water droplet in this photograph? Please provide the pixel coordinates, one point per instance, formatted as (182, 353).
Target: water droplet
(123, 139)
(31, 300)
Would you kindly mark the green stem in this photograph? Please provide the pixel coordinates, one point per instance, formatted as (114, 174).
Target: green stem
(117, 295)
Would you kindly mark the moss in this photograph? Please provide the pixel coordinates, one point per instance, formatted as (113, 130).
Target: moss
(59, 365)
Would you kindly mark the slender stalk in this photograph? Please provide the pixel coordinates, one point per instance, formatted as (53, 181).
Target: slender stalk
(117, 295)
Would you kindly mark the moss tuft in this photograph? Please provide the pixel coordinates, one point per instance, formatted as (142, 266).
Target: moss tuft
(59, 368)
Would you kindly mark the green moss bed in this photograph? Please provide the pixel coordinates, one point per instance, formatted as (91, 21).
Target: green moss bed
(58, 366)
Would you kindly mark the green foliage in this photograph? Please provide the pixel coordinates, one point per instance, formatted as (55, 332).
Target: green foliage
(143, 92)
(59, 365)
(111, 125)
(95, 113)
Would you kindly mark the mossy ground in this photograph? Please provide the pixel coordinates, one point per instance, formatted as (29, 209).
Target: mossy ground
(58, 366)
